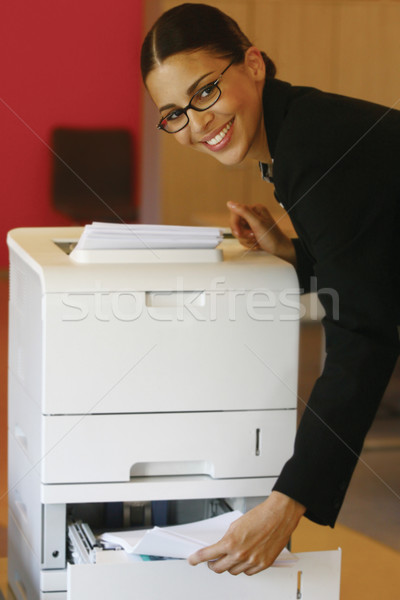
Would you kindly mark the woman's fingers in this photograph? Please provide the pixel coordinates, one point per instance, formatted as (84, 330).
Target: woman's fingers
(239, 225)
(253, 223)
(210, 553)
(242, 231)
(253, 541)
(256, 229)
(242, 214)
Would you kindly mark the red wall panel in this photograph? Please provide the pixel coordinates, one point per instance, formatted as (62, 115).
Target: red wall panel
(63, 63)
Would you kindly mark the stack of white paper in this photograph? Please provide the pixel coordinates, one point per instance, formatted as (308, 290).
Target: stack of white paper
(180, 541)
(107, 236)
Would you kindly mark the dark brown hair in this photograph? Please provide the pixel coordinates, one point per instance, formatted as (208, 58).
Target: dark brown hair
(190, 27)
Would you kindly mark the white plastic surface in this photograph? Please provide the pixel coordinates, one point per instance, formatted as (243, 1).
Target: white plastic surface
(25, 421)
(105, 448)
(146, 256)
(141, 489)
(23, 566)
(24, 495)
(180, 581)
(240, 268)
(148, 338)
(118, 352)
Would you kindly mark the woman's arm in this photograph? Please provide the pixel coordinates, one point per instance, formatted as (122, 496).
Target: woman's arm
(361, 356)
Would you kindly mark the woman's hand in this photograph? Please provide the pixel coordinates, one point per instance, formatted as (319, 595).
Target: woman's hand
(256, 229)
(253, 542)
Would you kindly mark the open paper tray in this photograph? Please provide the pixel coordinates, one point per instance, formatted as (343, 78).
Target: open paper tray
(164, 255)
(314, 576)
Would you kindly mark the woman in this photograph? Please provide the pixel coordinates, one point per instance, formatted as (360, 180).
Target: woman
(334, 162)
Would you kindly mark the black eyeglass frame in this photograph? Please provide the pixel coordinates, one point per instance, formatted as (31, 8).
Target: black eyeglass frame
(189, 106)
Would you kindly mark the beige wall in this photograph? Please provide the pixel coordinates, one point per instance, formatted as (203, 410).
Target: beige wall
(344, 46)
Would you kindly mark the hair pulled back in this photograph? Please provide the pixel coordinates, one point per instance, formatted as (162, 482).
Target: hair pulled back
(190, 27)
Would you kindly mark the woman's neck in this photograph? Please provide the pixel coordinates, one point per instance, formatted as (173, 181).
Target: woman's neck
(259, 149)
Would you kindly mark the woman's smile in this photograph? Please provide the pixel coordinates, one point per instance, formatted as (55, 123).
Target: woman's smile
(220, 138)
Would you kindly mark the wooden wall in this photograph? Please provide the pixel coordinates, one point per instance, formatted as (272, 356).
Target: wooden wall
(350, 47)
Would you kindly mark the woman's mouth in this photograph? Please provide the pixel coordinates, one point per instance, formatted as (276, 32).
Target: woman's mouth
(221, 139)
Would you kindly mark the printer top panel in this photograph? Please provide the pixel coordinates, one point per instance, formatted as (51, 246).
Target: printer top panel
(240, 268)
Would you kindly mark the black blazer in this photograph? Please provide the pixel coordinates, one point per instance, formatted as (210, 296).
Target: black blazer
(336, 171)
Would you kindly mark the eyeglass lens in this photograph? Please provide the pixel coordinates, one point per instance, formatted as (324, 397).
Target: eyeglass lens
(202, 100)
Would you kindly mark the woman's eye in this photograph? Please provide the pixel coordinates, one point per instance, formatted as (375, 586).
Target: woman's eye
(205, 92)
(175, 114)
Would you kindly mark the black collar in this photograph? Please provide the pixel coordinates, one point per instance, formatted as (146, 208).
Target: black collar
(276, 98)
(276, 95)
(266, 171)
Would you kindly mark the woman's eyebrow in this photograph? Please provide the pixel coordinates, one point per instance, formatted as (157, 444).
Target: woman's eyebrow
(194, 85)
(189, 91)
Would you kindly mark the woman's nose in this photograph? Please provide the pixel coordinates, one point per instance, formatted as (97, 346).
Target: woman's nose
(199, 121)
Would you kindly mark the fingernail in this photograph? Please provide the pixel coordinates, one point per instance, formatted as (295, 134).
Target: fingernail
(233, 204)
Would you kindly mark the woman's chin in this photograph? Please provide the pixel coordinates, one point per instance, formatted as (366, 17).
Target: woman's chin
(230, 155)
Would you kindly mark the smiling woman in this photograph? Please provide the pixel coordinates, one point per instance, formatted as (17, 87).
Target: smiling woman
(185, 60)
(231, 127)
(217, 93)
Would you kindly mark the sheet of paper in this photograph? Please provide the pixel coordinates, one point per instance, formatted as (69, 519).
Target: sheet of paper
(177, 541)
(124, 236)
(180, 541)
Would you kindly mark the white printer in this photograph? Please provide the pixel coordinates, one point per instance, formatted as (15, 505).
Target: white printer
(143, 376)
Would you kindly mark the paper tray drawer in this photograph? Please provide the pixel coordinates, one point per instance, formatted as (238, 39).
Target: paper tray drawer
(114, 448)
(320, 578)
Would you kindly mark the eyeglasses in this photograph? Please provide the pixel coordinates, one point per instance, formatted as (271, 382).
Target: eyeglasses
(202, 100)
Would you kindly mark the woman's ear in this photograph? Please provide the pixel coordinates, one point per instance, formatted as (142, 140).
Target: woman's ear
(254, 61)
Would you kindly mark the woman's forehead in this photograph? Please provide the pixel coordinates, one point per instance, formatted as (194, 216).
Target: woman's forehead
(190, 60)
(179, 72)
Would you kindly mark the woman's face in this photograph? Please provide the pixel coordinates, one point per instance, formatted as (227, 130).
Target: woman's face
(236, 118)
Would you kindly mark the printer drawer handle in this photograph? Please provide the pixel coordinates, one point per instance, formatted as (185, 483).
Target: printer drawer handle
(176, 299)
(172, 468)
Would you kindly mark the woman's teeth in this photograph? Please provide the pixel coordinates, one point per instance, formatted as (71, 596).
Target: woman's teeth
(220, 136)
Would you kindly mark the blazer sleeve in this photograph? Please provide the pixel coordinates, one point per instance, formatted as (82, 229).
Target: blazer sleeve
(304, 266)
(337, 417)
(354, 239)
